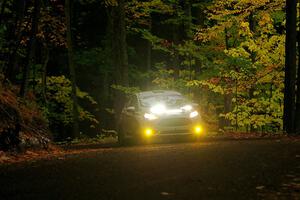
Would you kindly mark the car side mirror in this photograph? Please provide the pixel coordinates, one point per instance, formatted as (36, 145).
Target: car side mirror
(130, 109)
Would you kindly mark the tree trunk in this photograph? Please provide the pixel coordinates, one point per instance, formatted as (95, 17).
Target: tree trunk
(252, 27)
(108, 75)
(75, 112)
(188, 22)
(44, 75)
(236, 105)
(123, 43)
(297, 120)
(119, 54)
(290, 67)
(30, 49)
(227, 107)
(175, 60)
(228, 95)
(149, 54)
(14, 36)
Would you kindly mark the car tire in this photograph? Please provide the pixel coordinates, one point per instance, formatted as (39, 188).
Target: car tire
(121, 137)
(136, 136)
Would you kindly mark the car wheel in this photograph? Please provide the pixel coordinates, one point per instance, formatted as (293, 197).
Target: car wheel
(136, 136)
(121, 137)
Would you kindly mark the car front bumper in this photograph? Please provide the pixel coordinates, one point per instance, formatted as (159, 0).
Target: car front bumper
(180, 126)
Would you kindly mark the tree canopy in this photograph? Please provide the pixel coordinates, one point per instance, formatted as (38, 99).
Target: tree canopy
(79, 60)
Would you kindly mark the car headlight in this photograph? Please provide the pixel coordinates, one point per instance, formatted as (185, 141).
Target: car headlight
(198, 129)
(158, 109)
(187, 107)
(148, 132)
(194, 114)
(150, 116)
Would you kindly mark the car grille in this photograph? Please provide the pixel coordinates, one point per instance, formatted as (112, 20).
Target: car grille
(173, 122)
(174, 131)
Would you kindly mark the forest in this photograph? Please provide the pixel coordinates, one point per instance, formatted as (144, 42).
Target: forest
(67, 66)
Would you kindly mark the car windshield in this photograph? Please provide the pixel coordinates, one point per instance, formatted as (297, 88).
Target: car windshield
(168, 100)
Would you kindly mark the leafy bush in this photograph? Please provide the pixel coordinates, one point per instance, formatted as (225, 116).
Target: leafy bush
(58, 103)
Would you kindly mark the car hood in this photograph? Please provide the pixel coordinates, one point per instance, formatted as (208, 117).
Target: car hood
(170, 111)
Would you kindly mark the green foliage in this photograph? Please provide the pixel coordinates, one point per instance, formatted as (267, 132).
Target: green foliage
(58, 105)
(166, 79)
(258, 112)
(93, 57)
(108, 137)
(206, 49)
(126, 90)
(139, 12)
(252, 67)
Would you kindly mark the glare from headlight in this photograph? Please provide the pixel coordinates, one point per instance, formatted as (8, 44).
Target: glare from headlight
(187, 107)
(158, 109)
(150, 116)
(148, 132)
(194, 114)
(198, 129)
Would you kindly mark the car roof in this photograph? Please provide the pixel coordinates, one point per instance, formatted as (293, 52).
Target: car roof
(157, 92)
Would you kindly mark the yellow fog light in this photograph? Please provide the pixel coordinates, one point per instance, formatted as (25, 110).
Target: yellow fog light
(148, 132)
(198, 129)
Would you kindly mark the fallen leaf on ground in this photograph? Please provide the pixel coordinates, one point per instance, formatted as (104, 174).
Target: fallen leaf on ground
(4, 158)
(166, 193)
(260, 187)
(290, 175)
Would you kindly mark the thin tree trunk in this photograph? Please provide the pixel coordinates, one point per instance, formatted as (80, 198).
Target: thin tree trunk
(75, 113)
(107, 92)
(227, 107)
(236, 105)
(149, 49)
(115, 62)
(120, 57)
(290, 67)
(227, 96)
(149, 54)
(175, 59)
(14, 37)
(297, 120)
(188, 23)
(252, 26)
(44, 76)
(149, 60)
(123, 46)
(30, 49)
